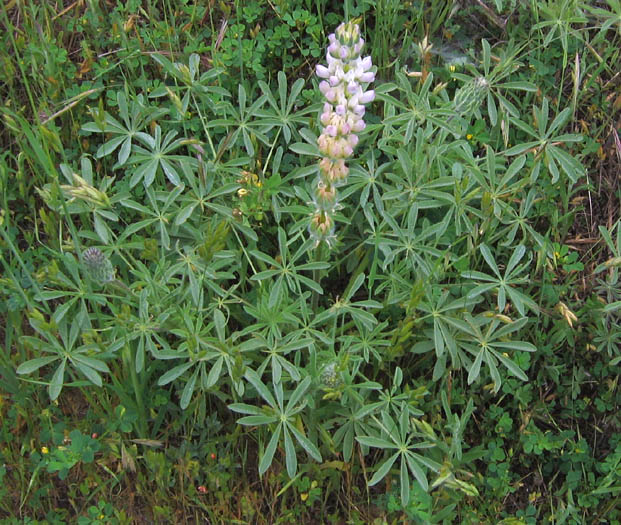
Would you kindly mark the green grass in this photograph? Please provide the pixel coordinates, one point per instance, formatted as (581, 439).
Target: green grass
(177, 348)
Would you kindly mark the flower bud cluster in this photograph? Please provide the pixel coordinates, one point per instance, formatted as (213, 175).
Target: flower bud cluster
(342, 85)
(98, 266)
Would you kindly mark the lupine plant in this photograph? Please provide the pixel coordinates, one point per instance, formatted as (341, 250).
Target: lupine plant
(186, 260)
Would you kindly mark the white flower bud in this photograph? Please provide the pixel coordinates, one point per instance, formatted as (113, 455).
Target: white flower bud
(322, 71)
(367, 96)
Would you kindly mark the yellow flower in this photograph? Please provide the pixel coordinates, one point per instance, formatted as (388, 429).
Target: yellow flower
(469, 136)
(45, 450)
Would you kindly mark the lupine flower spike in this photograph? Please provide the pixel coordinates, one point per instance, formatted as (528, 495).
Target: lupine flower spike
(343, 85)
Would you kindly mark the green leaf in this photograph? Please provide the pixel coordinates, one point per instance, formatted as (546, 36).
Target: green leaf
(214, 373)
(307, 445)
(256, 382)
(92, 362)
(174, 373)
(375, 442)
(291, 459)
(383, 469)
(56, 384)
(405, 482)
(298, 393)
(416, 470)
(305, 149)
(520, 85)
(257, 420)
(188, 390)
(109, 147)
(489, 258)
(243, 408)
(268, 456)
(516, 257)
(521, 148)
(220, 323)
(34, 364)
(511, 366)
(475, 369)
(90, 373)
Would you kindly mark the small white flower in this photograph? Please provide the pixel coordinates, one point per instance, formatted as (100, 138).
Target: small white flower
(322, 71)
(367, 96)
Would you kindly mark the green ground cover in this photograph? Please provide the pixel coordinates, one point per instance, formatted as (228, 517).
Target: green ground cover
(199, 325)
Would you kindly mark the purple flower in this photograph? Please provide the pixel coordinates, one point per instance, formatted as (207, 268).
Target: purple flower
(359, 125)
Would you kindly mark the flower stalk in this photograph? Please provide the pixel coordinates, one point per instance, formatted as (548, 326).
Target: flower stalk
(343, 85)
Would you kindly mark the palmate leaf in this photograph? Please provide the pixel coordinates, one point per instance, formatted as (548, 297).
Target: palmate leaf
(399, 437)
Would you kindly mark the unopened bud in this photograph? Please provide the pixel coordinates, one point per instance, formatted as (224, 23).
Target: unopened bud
(98, 266)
